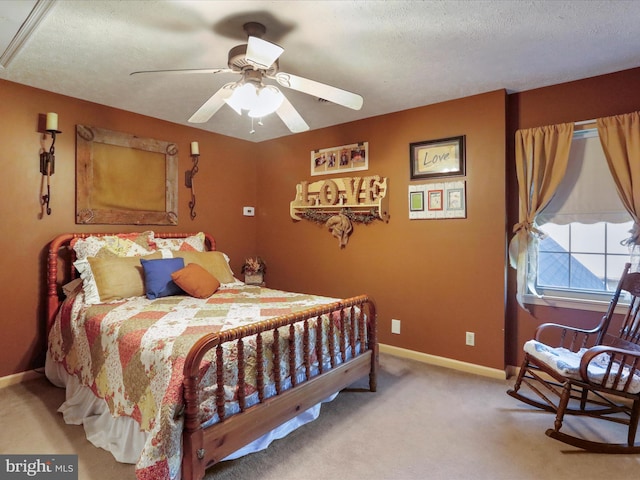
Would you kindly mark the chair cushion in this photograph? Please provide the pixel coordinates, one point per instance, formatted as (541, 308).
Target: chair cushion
(567, 364)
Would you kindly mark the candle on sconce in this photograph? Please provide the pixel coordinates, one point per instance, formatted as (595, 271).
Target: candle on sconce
(52, 121)
(195, 148)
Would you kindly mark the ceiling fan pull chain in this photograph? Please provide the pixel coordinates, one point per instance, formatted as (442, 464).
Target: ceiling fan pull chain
(252, 131)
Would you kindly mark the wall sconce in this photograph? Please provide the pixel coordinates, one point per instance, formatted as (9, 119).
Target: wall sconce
(188, 177)
(48, 159)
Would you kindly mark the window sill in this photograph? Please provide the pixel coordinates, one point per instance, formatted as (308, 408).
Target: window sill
(574, 303)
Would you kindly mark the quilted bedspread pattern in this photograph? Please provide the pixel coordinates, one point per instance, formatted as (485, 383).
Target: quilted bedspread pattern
(131, 353)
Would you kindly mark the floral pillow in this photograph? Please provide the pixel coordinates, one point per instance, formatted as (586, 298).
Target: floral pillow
(120, 245)
(194, 243)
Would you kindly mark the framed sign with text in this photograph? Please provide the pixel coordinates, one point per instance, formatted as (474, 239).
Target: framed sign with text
(437, 158)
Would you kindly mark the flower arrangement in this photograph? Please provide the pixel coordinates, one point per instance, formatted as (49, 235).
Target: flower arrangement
(253, 266)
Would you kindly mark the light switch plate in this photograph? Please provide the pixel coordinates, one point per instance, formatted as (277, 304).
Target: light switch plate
(248, 211)
(395, 326)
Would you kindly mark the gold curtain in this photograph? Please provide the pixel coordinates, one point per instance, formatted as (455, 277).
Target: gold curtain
(620, 138)
(541, 161)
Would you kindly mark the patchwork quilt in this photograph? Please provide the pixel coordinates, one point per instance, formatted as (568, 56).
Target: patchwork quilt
(131, 353)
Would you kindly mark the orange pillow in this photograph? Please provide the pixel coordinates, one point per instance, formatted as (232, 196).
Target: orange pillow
(196, 281)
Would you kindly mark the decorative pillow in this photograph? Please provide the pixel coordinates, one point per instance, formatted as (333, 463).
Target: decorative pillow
(112, 278)
(213, 262)
(194, 243)
(72, 287)
(196, 281)
(120, 245)
(157, 277)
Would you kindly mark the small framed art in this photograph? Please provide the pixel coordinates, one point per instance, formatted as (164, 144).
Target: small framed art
(437, 158)
(416, 201)
(435, 200)
(455, 198)
(443, 200)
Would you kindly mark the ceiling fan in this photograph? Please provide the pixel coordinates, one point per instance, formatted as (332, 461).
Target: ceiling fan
(256, 61)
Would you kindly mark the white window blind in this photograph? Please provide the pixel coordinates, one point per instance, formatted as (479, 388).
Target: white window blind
(587, 194)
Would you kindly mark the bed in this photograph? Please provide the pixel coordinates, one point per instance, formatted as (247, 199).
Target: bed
(176, 382)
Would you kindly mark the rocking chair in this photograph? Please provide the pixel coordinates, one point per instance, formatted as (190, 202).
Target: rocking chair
(589, 372)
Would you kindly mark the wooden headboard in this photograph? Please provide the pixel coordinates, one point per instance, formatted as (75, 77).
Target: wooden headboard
(61, 257)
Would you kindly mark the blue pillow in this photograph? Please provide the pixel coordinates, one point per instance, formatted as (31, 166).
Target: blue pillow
(157, 277)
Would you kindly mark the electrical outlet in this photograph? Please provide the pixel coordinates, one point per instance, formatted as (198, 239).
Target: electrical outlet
(395, 326)
(248, 211)
(471, 339)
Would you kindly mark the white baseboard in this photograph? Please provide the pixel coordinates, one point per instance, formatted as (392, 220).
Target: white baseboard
(391, 350)
(443, 362)
(19, 378)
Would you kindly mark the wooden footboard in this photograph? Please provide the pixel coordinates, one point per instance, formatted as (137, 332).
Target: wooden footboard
(204, 447)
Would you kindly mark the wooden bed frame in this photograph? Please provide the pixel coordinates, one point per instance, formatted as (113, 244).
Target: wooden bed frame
(203, 447)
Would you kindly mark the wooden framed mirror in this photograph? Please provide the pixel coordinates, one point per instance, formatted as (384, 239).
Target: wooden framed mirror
(124, 179)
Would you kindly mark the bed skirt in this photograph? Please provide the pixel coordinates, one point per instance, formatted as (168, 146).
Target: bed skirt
(122, 435)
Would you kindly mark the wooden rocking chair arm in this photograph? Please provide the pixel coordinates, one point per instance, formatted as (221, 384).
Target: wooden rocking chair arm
(598, 349)
(621, 356)
(575, 331)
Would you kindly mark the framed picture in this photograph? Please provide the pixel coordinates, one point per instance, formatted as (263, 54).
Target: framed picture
(123, 179)
(444, 200)
(416, 201)
(437, 158)
(455, 199)
(346, 158)
(435, 200)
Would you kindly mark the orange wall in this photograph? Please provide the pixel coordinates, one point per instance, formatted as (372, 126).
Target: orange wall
(441, 278)
(586, 99)
(226, 181)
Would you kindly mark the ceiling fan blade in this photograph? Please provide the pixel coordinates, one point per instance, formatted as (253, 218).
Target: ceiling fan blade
(187, 70)
(261, 53)
(211, 106)
(320, 90)
(291, 117)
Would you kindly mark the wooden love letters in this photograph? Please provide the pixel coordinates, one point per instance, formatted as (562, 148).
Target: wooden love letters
(338, 202)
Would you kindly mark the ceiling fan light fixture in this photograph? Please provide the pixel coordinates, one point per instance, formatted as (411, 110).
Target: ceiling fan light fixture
(268, 100)
(243, 98)
(259, 101)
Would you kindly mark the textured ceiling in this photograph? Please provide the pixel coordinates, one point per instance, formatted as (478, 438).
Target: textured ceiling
(396, 54)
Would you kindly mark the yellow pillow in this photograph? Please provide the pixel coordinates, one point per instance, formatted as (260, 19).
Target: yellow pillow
(196, 281)
(212, 262)
(119, 277)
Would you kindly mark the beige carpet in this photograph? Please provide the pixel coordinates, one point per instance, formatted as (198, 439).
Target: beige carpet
(424, 422)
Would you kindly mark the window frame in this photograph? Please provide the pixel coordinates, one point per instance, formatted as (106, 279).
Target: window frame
(575, 303)
(573, 298)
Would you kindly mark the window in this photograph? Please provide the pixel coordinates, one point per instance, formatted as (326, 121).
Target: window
(582, 257)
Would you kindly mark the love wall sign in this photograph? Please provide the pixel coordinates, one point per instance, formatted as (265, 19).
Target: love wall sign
(354, 194)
